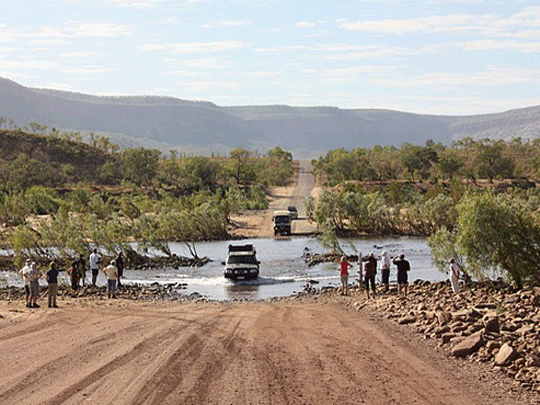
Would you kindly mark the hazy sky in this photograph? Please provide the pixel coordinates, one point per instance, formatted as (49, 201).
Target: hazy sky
(424, 56)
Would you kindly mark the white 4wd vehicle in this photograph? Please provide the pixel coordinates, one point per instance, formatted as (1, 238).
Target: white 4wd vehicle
(241, 263)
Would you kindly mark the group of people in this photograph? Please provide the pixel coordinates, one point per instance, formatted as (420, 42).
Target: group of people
(367, 271)
(77, 273)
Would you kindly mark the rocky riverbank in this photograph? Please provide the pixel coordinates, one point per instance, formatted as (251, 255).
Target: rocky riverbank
(487, 322)
(152, 292)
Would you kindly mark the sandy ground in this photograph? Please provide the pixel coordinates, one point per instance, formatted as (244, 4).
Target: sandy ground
(96, 351)
(288, 351)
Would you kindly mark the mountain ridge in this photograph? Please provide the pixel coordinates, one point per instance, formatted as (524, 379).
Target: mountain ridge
(203, 127)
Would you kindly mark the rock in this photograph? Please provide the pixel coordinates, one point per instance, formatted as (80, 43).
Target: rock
(468, 345)
(446, 337)
(444, 318)
(406, 319)
(492, 345)
(491, 323)
(525, 329)
(505, 355)
(533, 361)
(486, 306)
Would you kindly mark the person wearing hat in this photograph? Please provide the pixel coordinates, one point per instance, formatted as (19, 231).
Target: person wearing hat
(385, 271)
(33, 276)
(111, 272)
(52, 284)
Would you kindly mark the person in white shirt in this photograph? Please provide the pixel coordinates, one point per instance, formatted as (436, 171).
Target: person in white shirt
(111, 272)
(94, 266)
(454, 275)
(385, 271)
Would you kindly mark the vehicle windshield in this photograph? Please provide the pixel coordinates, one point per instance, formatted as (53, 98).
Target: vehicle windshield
(248, 259)
(282, 220)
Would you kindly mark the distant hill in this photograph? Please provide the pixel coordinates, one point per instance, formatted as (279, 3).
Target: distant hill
(203, 127)
(84, 161)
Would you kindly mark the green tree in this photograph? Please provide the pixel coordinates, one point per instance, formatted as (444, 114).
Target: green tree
(490, 161)
(241, 168)
(201, 172)
(140, 165)
(449, 163)
(37, 127)
(418, 159)
(495, 233)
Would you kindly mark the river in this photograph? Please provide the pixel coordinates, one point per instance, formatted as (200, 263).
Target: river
(283, 270)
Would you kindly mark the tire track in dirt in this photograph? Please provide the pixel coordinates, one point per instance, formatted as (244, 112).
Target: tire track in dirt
(278, 353)
(45, 374)
(165, 380)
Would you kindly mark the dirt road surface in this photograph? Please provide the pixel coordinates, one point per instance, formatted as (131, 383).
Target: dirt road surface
(259, 223)
(105, 352)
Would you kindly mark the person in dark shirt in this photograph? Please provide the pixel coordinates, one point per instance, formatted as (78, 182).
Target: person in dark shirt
(403, 267)
(74, 275)
(370, 270)
(52, 281)
(120, 267)
(81, 266)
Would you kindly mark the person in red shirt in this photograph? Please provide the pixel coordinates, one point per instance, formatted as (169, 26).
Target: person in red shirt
(344, 271)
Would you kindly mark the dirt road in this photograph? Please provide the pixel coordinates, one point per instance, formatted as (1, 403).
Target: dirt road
(259, 223)
(103, 352)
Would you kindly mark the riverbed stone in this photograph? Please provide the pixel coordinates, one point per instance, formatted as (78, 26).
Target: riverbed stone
(468, 345)
(406, 319)
(505, 355)
(491, 322)
(444, 317)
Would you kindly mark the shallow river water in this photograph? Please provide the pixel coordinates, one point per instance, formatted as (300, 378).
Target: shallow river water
(283, 270)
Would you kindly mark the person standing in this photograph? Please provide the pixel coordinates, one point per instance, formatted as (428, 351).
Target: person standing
(34, 275)
(111, 273)
(94, 260)
(370, 271)
(74, 275)
(81, 265)
(120, 267)
(403, 267)
(454, 275)
(385, 271)
(344, 266)
(52, 288)
(24, 272)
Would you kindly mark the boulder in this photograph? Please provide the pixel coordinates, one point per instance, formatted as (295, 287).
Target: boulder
(505, 355)
(444, 317)
(468, 345)
(406, 319)
(491, 323)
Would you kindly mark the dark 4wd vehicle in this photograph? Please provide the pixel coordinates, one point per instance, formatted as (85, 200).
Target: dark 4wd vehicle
(282, 223)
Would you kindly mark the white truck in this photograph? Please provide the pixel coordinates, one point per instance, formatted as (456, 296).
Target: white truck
(282, 223)
(241, 263)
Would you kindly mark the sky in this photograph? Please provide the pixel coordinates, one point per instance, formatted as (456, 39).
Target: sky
(453, 57)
